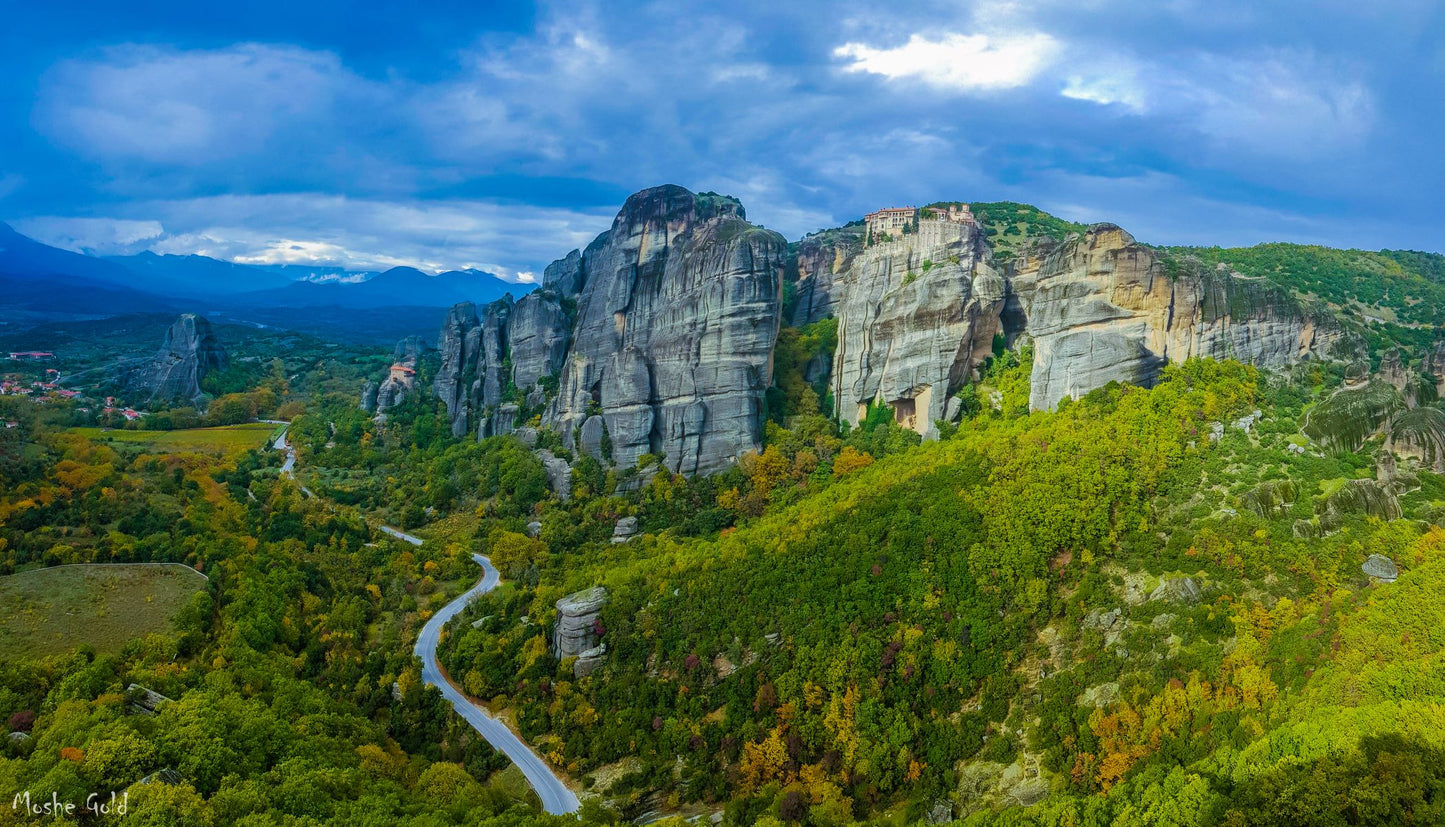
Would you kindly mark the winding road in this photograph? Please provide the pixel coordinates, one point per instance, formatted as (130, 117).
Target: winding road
(556, 798)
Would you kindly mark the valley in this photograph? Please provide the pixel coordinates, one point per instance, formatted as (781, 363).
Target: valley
(969, 524)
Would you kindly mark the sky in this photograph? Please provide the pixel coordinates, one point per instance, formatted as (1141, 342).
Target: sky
(501, 135)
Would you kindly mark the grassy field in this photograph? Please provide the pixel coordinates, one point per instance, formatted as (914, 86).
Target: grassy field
(49, 611)
(222, 440)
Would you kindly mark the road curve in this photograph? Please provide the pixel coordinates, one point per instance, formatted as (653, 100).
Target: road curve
(556, 798)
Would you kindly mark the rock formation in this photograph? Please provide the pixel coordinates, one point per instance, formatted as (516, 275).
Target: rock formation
(472, 377)
(191, 351)
(1380, 567)
(578, 632)
(658, 337)
(819, 259)
(538, 331)
(678, 310)
(1104, 308)
(400, 379)
(915, 315)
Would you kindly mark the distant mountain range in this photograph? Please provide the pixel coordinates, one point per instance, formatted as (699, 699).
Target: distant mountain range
(39, 282)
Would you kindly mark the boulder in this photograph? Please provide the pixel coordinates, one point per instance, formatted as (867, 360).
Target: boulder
(559, 473)
(534, 529)
(625, 530)
(590, 439)
(577, 631)
(1379, 567)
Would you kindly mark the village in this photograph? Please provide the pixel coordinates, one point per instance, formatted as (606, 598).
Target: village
(43, 387)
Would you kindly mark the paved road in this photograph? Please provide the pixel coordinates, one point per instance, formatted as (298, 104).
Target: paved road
(556, 798)
(402, 535)
(290, 464)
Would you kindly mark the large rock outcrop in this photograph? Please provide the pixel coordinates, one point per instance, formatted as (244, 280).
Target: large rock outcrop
(678, 310)
(538, 332)
(819, 258)
(916, 316)
(400, 379)
(578, 633)
(472, 377)
(1103, 308)
(191, 351)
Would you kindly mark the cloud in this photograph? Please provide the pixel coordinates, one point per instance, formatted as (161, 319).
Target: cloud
(170, 106)
(1112, 85)
(326, 230)
(93, 236)
(959, 62)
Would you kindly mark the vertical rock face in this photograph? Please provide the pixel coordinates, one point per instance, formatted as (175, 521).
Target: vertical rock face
(400, 379)
(538, 332)
(915, 315)
(820, 258)
(677, 313)
(1103, 308)
(578, 633)
(472, 376)
(191, 351)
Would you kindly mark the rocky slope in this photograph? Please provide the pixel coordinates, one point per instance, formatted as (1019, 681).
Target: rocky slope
(174, 374)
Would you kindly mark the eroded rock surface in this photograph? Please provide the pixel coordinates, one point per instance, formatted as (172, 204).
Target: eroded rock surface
(191, 351)
(677, 313)
(1104, 308)
(916, 316)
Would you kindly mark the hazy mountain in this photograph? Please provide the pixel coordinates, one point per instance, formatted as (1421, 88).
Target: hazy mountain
(199, 276)
(37, 280)
(399, 286)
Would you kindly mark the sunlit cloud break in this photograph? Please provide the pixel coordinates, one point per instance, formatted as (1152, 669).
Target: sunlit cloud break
(960, 62)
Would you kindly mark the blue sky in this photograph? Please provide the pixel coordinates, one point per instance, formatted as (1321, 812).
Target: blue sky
(502, 135)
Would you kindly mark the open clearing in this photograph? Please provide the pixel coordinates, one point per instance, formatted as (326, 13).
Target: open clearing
(221, 440)
(54, 610)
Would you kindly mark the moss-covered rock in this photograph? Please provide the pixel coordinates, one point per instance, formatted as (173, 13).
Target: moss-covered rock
(1420, 433)
(1352, 415)
(1270, 498)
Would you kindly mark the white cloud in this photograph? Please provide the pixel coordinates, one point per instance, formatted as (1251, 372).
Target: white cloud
(967, 63)
(1115, 86)
(94, 236)
(190, 107)
(325, 230)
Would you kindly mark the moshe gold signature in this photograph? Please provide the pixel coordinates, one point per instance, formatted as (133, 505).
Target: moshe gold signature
(94, 803)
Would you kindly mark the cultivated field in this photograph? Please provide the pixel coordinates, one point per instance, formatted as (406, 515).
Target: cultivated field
(49, 611)
(222, 440)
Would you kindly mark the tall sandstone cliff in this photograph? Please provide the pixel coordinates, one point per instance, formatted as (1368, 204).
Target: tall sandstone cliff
(174, 374)
(1102, 307)
(678, 309)
(658, 337)
(919, 315)
(915, 317)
